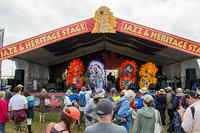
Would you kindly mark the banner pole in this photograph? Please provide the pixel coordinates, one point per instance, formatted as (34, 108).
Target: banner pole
(1, 45)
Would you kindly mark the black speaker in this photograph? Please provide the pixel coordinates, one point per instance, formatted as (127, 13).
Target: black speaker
(19, 74)
(191, 75)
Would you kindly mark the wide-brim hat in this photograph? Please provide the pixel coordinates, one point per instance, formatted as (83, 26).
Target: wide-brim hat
(168, 88)
(96, 96)
(20, 86)
(8, 86)
(74, 113)
(162, 91)
(179, 90)
(143, 90)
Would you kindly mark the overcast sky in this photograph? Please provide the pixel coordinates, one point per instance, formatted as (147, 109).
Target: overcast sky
(26, 18)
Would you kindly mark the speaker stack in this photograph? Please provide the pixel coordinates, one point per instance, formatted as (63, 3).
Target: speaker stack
(191, 78)
(19, 76)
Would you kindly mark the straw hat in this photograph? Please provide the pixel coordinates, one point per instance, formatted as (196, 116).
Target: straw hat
(20, 86)
(168, 88)
(162, 91)
(179, 90)
(143, 90)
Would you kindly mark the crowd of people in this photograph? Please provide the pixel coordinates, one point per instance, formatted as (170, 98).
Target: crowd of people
(106, 112)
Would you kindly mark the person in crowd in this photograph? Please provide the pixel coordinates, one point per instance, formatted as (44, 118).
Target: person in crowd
(18, 104)
(3, 112)
(67, 120)
(43, 109)
(125, 110)
(8, 93)
(90, 114)
(105, 113)
(83, 101)
(191, 117)
(146, 117)
(20, 86)
(169, 103)
(29, 111)
(198, 90)
(112, 95)
(175, 125)
(72, 96)
(100, 91)
(67, 101)
(176, 100)
(162, 104)
(144, 91)
(123, 93)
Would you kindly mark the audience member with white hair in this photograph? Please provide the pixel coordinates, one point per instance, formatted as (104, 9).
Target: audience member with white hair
(125, 110)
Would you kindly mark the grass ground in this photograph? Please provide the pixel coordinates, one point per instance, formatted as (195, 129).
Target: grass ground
(38, 127)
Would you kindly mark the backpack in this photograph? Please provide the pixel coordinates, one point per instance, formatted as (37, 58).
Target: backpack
(82, 100)
(116, 118)
(31, 101)
(176, 102)
(62, 105)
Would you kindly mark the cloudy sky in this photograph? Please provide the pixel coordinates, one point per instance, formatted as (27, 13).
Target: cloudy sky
(26, 18)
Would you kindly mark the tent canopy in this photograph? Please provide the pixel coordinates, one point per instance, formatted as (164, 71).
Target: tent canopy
(119, 42)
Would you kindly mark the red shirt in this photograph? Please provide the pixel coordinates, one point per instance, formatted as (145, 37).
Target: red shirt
(3, 111)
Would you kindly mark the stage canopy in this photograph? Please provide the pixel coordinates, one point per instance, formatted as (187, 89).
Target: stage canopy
(126, 38)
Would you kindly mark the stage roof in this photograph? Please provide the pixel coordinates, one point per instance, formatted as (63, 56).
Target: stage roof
(103, 32)
(121, 43)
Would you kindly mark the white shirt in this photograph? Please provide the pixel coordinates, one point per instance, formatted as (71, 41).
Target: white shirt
(17, 102)
(189, 124)
(67, 102)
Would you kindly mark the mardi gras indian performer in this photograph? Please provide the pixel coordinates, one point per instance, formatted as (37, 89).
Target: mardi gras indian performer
(147, 74)
(74, 73)
(97, 74)
(127, 74)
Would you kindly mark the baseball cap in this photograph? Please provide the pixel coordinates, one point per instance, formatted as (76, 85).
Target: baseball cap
(104, 107)
(69, 92)
(83, 89)
(193, 94)
(123, 92)
(143, 90)
(147, 98)
(74, 113)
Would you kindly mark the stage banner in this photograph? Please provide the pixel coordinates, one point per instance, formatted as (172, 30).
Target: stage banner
(46, 39)
(160, 37)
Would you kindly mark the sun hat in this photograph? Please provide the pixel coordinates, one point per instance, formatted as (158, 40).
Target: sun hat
(147, 98)
(96, 96)
(104, 107)
(179, 90)
(20, 86)
(168, 88)
(74, 113)
(143, 90)
(8, 86)
(162, 91)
